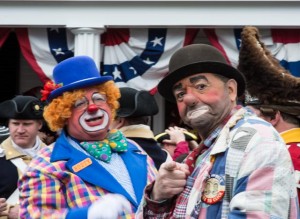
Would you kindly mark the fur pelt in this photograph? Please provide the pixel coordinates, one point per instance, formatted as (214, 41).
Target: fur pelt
(266, 79)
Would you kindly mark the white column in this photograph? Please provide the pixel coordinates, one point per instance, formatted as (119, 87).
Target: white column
(87, 42)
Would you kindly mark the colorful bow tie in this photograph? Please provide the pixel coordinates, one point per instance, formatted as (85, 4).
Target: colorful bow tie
(102, 150)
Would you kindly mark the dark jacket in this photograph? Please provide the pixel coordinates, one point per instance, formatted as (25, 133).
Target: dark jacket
(8, 177)
(152, 148)
(143, 136)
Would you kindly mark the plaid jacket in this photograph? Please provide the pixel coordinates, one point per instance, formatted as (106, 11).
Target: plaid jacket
(62, 182)
(256, 174)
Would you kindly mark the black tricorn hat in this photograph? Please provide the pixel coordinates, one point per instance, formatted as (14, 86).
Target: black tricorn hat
(268, 83)
(134, 103)
(22, 107)
(188, 136)
(197, 58)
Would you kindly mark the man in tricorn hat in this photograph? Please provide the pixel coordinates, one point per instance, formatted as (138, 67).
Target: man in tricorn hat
(23, 115)
(241, 168)
(133, 119)
(91, 171)
(273, 93)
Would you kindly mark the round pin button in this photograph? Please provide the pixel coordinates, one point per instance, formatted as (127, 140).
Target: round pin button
(214, 189)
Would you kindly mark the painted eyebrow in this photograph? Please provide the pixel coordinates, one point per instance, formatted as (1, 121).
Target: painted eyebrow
(197, 78)
(177, 87)
(192, 80)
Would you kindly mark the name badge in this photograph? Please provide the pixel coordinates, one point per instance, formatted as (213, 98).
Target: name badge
(81, 165)
(214, 189)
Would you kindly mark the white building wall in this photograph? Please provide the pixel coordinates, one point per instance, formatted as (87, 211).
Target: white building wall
(98, 14)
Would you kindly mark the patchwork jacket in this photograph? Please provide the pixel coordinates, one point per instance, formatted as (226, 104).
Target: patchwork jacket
(246, 173)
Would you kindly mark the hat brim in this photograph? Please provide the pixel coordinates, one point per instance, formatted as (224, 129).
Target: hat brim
(163, 136)
(77, 85)
(165, 86)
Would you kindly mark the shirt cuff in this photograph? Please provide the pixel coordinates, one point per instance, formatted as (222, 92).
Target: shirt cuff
(157, 206)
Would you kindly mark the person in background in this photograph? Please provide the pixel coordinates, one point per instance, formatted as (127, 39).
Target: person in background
(273, 93)
(24, 115)
(90, 171)
(245, 170)
(133, 119)
(177, 141)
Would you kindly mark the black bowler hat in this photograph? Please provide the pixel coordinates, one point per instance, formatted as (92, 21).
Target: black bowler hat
(134, 103)
(194, 59)
(22, 107)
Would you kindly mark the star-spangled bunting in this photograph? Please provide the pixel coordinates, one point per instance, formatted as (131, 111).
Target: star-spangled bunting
(43, 48)
(139, 57)
(284, 44)
(134, 57)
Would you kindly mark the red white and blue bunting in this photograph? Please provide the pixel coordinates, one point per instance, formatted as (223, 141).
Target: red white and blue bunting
(139, 57)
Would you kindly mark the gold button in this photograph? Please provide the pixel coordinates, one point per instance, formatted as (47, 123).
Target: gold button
(37, 107)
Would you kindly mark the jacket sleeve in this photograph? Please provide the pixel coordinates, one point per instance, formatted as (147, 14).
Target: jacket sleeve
(41, 195)
(265, 186)
(154, 210)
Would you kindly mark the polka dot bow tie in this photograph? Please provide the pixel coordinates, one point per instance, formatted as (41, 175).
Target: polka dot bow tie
(102, 150)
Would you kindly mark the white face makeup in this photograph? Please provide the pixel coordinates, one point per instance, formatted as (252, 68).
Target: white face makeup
(90, 117)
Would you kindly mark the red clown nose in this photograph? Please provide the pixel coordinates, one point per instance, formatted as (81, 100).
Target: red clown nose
(92, 108)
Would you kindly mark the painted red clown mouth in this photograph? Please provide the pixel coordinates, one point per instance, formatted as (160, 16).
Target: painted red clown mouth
(94, 121)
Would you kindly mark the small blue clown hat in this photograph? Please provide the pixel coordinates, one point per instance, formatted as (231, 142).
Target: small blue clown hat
(75, 73)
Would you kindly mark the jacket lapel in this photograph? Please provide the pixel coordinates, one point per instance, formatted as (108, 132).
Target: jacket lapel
(136, 164)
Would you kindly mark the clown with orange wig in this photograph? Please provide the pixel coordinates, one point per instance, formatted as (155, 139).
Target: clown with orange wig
(90, 171)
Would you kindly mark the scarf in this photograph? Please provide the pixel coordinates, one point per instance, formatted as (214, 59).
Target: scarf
(31, 152)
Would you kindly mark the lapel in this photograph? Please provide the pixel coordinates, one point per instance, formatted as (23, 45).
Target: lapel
(136, 164)
(97, 175)
(10, 151)
(223, 141)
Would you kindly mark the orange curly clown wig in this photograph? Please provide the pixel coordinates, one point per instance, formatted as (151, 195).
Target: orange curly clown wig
(60, 108)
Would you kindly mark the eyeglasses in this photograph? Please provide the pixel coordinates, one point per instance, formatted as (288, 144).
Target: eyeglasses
(97, 98)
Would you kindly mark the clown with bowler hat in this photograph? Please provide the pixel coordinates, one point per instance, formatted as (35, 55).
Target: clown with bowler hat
(241, 169)
(90, 171)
